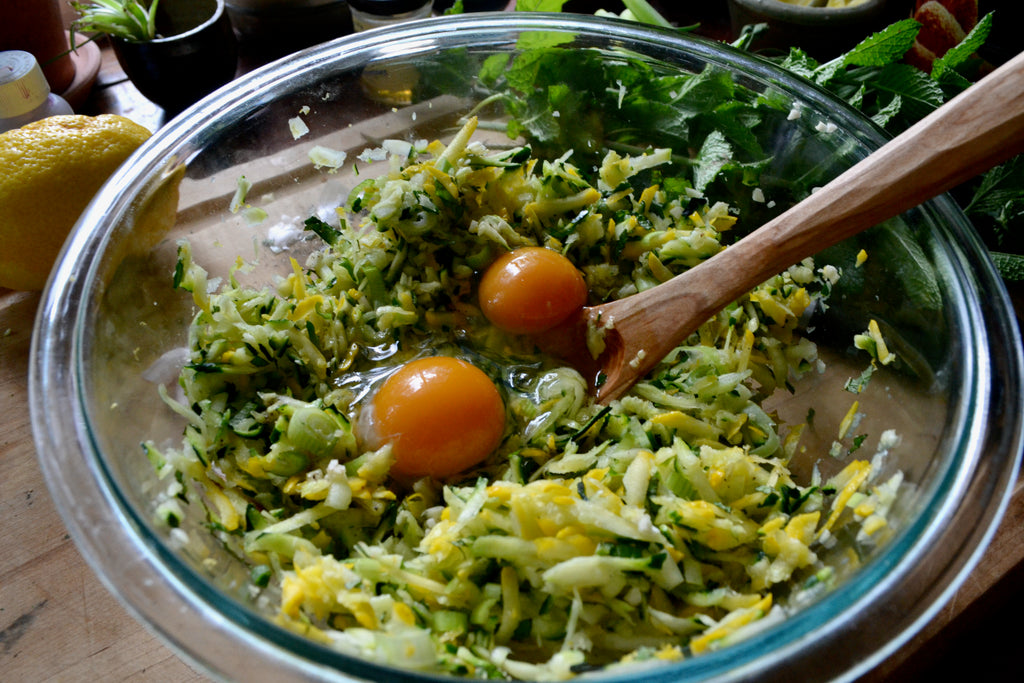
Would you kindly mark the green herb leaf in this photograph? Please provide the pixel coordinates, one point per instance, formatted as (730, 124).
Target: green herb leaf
(493, 69)
(539, 5)
(1010, 266)
(920, 94)
(961, 52)
(858, 441)
(824, 74)
(714, 154)
(914, 268)
(885, 47)
(456, 8)
(800, 63)
(323, 230)
(884, 115)
(1000, 196)
(858, 384)
(857, 99)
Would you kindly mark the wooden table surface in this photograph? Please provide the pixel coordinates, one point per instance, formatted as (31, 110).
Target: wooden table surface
(59, 623)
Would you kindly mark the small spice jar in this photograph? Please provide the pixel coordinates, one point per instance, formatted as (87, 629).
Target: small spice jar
(387, 82)
(367, 14)
(24, 91)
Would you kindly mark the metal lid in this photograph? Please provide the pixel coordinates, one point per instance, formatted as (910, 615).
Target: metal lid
(23, 87)
(385, 8)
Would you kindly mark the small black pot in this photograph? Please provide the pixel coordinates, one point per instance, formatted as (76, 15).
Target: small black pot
(194, 54)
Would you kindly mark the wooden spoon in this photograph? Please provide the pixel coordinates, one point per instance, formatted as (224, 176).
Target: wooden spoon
(978, 129)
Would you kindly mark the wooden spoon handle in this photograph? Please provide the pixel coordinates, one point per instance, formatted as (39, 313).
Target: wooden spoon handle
(978, 129)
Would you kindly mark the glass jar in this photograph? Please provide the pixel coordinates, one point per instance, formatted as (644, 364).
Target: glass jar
(382, 82)
(367, 14)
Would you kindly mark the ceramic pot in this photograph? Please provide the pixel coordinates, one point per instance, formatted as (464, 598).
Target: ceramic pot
(37, 26)
(194, 54)
(821, 32)
(268, 29)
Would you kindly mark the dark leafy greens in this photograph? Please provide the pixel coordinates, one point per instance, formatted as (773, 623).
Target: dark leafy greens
(725, 142)
(872, 77)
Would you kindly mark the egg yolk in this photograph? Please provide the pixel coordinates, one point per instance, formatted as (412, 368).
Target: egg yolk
(531, 290)
(441, 416)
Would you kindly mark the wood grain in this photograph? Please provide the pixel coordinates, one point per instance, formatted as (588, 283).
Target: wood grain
(57, 621)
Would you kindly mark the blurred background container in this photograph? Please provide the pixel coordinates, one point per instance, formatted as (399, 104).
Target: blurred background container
(822, 32)
(272, 28)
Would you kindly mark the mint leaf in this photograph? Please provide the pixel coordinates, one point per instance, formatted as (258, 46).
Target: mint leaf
(994, 183)
(913, 267)
(541, 39)
(884, 115)
(885, 47)
(962, 51)
(800, 63)
(999, 196)
(714, 154)
(539, 5)
(824, 74)
(953, 81)
(857, 99)
(738, 122)
(493, 69)
(703, 92)
(920, 94)
(523, 72)
(1010, 266)
(872, 78)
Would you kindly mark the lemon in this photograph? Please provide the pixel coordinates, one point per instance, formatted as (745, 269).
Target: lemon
(49, 172)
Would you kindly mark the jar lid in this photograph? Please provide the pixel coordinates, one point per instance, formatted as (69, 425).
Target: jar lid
(23, 87)
(383, 8)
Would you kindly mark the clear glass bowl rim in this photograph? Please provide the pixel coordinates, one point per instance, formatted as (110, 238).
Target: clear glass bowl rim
(228, 640)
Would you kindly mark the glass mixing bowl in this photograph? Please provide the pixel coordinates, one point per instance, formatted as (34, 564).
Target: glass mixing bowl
(110, 328)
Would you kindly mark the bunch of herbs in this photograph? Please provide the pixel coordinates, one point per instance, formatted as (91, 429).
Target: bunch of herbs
(873, 77)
